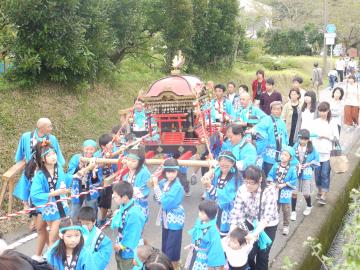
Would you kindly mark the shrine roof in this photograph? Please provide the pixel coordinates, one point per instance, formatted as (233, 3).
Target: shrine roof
(180, 85)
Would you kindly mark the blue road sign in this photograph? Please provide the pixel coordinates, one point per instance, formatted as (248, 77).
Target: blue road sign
(331, 28)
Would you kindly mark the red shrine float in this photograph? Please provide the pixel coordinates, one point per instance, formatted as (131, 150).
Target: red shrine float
(173, 104)
(173, 107)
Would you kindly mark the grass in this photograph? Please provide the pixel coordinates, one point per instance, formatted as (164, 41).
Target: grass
(84, 114)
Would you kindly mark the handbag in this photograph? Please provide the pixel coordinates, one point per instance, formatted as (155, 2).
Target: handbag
(339, 163)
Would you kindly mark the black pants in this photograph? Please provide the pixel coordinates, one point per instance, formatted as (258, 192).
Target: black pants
(267, 167)
(259, 259)
(341, 75)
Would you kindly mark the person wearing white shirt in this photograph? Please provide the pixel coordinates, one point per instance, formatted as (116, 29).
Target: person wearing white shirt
(340, 67)
(325, 132)
(337, 106)
(352, 102)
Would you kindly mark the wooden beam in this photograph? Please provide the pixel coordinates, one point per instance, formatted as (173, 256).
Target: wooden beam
(185, 163)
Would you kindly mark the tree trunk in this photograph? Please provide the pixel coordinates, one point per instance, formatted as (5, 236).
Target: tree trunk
(117, 56)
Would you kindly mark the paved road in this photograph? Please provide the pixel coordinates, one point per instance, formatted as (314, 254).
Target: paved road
(152, 233)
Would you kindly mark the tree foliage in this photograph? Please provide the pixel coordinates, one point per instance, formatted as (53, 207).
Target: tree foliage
(217, 31)
(53, 40)
(75, 41)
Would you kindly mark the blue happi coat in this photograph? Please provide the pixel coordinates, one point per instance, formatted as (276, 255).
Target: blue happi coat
(227, 107)
(290, 180)
(140, 119)
(40, 191)
(244, 152)
(209, 253)
(226, 145)
(24, 151)
(99, 246)
(172, 211)
(76, 183)
(224, 196)
(129, 227)
(141, 189)
(84, 262)
(253, 118)
(266, 128)
(312, 159)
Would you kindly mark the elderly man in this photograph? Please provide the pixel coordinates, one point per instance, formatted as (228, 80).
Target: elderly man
(26, 150)
(275, 136)
(250, 115)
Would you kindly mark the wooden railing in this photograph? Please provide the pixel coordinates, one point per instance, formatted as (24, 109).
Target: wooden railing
(8, 179)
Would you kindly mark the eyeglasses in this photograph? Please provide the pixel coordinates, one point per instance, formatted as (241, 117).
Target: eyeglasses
(250, 183)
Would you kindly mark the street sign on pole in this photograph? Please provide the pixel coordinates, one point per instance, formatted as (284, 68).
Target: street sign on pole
(330, 38)
(330, 28)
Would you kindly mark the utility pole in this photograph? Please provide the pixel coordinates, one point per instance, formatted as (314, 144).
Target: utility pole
(326, 19)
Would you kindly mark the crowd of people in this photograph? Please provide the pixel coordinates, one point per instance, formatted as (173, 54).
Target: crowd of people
(273, 148)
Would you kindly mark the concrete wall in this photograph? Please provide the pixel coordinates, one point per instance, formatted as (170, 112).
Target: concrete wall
(324, 222)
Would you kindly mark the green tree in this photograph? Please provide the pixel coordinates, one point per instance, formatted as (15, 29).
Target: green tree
(217, 31)
(128, 22)
(287, 41)
(177, 28)
(50, 42)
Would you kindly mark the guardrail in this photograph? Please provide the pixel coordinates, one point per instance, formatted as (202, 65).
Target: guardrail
(8, 179)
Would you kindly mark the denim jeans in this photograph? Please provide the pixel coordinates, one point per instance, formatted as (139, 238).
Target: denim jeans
(332, 80)
(75, 208)
(322, 176)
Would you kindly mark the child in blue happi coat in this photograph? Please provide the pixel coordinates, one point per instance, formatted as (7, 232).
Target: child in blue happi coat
(206, 250)
(138, 176)
(70, 252)
(243, 150)
(170, 194)
(284, 175)
(99, 245)
(274, 134)
(221, 186)
(129, 221)
(83, 183)
(49, 185)
(104, 171)
(308, 159)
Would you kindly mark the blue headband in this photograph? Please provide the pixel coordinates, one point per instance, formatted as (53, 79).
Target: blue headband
(47, 152)
(133, 156)
(89, 143)
(171, 167)
(74, 227)
(227, 156)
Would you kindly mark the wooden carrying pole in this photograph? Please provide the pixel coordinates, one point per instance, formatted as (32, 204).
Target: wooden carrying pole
(123, 148)
(185, 163)
(8, 179)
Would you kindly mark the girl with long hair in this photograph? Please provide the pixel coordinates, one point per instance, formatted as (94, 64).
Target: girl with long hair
(138, 176)
(221, 186)
(69, 252)
(49, 185)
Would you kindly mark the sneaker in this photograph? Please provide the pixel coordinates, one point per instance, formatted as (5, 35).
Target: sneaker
(293, 216)
(188, 194)
(307, 211)
(322, 201)
(285, 230)
(38, 258)
(193, 179)
(318, 196)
